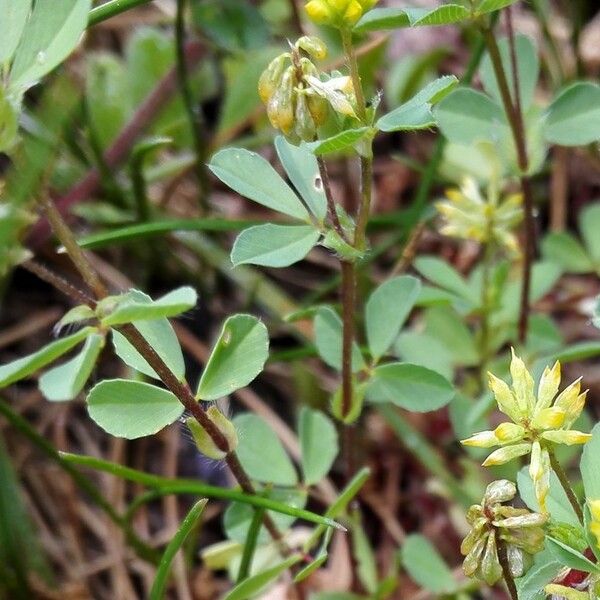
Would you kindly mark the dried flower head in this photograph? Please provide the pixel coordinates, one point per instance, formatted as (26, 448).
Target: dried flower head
(468, 215)
(298, 96)
(519, 530)
(338, 13)
(537, 422)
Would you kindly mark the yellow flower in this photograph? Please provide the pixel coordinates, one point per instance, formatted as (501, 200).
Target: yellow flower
(338, 13)
(538, 421)
(468, 215)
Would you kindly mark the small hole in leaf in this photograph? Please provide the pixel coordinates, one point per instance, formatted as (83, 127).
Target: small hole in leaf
(318, 183)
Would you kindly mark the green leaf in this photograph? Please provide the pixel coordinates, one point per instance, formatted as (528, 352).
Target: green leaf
(22, 367)
(543, 571)
(589, 225)
(187, 525)
(237, 357)
(573, 119)
(425, 350)
(590, 465)
(425, 566)
(272, 245)
(386, 311)
(159, 334)
(261, 452)
(410, 386)
(328, 339)
(565, 250)
(49, 36)
(446, 325)
(416, 112)
(466, 116)
(318, 444)
(301, 167)
(238, 517)
(232, 25)
(486, 6)
(14, 15)
(67, 380)
(569, 557)
(250, 175)
(137, 306)
(392, 18)
(339, 142)
(366, 567)
(528, 68)
(441, 273)
(132, 409)
(251, 586)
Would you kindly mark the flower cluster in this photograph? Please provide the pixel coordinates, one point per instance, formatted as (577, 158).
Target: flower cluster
(538, 422)
(298, 96)
(518, 530)
(338, 13)
(468, 215)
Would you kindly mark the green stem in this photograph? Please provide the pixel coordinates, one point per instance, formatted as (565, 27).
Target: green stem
(194, 487)
(192, 107)
(250, 544)
(361, 105)
(187, 525)
(566, 485)
(508, 578)
(111, 9)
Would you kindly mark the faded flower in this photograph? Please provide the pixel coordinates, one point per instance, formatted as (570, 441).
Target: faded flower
(468, 215)
(338, 13)
(518, 530)
(537, 422)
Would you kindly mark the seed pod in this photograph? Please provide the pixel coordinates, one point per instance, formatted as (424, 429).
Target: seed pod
(318, 107)
(304, 124)
(271, 78)
(490, 569)
(312, 45)
(280, 108)
(204, 442)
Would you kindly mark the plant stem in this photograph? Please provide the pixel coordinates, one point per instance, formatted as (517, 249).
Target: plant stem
(57, 282)
(331, 209)
(361, 106)
(366, 190)
(508, 578)
(192, 107)
(515, 119)
(488, 255)
(180, 389)
(111, 9)
(566, 485)
(348, 304)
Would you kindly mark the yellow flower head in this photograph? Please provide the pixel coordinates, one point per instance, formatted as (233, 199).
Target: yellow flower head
(538, 421)
(338, 13)
(468, 215)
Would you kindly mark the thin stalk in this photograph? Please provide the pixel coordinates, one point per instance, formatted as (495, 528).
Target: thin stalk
(508, 578)
(192, 107)
(187, 525)
(56, 281)
(111, 9)
(566, 485)
(331, 209)
(484, 341)
(63, 233)
(361, 105)
(348, 304)
(250, 545)
(515, 119)
(366, 191)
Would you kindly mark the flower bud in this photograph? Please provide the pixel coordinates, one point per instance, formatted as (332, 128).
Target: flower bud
(280, 108)
(313, 46)
(204, 442)
(337, 13)
(271, 78)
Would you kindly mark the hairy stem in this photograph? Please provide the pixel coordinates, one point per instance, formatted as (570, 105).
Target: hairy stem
(348, 304)
(331, 209)
(56, 281)
(515, 119)
(180, 389)
(566, 485)
(508, 578)
(361, 105)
